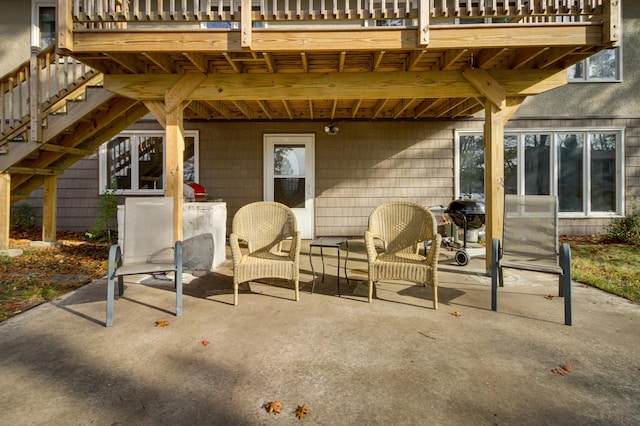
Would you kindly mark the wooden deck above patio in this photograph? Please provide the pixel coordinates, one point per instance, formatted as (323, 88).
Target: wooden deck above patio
(336, 60)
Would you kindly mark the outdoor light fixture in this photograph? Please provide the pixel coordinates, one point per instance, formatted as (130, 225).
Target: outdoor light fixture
(331, 129)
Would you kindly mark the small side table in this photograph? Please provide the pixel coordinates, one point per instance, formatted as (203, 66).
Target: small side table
(331, 242)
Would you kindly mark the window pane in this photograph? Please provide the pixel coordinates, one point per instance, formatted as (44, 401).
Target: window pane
(47, 25)
(510, 164)
(289, 191)
(576, 71)
(537, 151)
(602, 65)
(150, 162)
(472, 166)
(289, 160)
(603, 172)
(119, 163)
(189, 170)
(570, 185)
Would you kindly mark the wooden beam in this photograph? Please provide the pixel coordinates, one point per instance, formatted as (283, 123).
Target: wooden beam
(402, 106)
(50, 209)
(33, 171)
(180, 91)
(198, 60)
(287, 108)
(174, 159)
(65, 150)
(486, 85)
(414, 59)
(128, 62)
(221, 108)
(493, 175)
(243, 108)
(161, 61)
(156, 108)
(265, 108)
(387, 38)
(304, 86)
(5, 210)
(512, 106)
(270, 62)
(450, 57)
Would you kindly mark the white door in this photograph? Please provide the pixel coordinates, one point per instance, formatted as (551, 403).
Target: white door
(289, 176)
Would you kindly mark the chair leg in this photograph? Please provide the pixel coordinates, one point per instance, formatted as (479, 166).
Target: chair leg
(297, 288)
(495, 271)
(435, 297)
(370, 291)
(235, 293)
(110, 297)
(565, 279)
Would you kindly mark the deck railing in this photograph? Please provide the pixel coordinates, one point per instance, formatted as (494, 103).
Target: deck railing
(36, 85)
(96, 14)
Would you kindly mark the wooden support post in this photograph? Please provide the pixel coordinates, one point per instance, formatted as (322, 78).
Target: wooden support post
(612, 26)
(423, 23)
(50, 209)
(174, 128)
(65, 25)
(493, 175)
(5, 209)
(174, 166)
(35, 132)
(245, 24)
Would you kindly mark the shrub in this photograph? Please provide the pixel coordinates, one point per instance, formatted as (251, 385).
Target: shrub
(627, 229)
(22, 217)
(108, 209)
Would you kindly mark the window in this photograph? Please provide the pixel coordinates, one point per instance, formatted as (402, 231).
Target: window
(584, 168)
(133, 162)
(604, 66)
(43, 28)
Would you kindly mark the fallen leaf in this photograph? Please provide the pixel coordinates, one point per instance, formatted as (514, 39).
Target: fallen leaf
(548, 297)
(273, 407)
(560, 371)
(302, 411)
(456, 314)
(567, 368)
(162, 323)
(204, 342)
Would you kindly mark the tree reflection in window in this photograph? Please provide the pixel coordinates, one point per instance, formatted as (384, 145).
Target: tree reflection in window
(570, 170)
(289, 173)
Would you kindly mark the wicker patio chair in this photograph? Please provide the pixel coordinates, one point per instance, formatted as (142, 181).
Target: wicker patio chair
(147, 247)
(263, 226)
(402, 227)
(530, 242)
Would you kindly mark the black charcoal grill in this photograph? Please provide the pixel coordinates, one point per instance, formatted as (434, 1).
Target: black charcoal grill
(467, 214)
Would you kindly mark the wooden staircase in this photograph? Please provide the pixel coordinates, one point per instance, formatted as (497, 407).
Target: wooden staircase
(54, 111)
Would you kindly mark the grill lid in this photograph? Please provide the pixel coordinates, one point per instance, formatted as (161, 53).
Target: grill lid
(469, 209)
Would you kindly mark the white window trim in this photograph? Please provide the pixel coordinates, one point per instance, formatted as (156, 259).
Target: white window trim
(35, 19)
(586, 213)
(102, 156)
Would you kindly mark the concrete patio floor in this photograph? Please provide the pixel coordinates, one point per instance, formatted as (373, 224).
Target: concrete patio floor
(395, 361)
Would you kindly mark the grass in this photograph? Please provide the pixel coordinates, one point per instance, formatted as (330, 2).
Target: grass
(610, 267)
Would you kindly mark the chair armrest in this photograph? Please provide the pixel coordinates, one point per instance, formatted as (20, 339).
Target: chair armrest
(434, 251)
(370, 245)
(236, 253)
(294, 251)
(115, 260)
